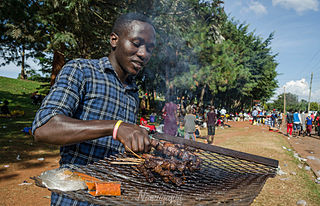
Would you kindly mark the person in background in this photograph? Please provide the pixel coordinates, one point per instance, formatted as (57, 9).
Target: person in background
(289, 123)
(303, 123)
(254, 115)
(309, 121)
(170, 119)
(273, 118)
(183, 105)
(5, 107)
(91, 110)
(279, 119)
(211, 124)
(223, 113)
(296, 123)
(241, 114)
(36, 98)
(317, 123)
(144, 123)
(189, 125)
(312, 116)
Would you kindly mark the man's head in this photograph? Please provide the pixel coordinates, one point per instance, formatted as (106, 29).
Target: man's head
(132, 40)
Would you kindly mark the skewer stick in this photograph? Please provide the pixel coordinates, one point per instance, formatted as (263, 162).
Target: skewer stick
(133, 152)
(125, 163)
(129, 159)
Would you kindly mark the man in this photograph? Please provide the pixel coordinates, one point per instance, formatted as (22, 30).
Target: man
(289, 123)
(189, 125)
(273, 118)
(296, 123)
(223, 113)
(83, 110)
(317, 123)
(254, 116)
(309, 121)
(303, 123)
(211, 123)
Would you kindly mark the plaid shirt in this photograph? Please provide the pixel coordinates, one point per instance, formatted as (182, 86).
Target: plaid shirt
(89, 90)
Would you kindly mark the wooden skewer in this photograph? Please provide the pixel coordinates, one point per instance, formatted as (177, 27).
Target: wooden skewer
(129, 159)
(133, 152)
(125, 163)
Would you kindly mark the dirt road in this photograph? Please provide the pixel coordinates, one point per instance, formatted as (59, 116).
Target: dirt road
(293, 185)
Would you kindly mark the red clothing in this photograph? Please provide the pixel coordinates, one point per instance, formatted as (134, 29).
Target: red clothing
(289, 128)
(144, 123)
(309, 129)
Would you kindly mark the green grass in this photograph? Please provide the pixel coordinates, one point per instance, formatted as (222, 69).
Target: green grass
(313, 189)
(12, 140)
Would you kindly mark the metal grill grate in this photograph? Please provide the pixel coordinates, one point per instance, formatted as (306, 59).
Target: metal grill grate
(226, 177)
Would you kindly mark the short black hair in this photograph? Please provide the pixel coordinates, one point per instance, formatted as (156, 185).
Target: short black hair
(125, 19)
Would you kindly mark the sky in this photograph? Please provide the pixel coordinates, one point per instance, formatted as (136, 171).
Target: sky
(296, 27)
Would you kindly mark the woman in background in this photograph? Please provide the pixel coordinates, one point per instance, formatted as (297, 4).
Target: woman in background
(170, 119)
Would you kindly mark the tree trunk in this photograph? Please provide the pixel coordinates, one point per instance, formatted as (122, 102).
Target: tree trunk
(203, 90)
(167, 70)
(57, 64)
(22, 73)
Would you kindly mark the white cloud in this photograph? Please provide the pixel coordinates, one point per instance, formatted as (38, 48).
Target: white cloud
(298, 5)
(258, 8)
(299, 88)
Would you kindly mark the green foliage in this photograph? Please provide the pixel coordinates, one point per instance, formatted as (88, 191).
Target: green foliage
(292, 103)
(12, 140)
(314, 106)
(18, 92)
(200, 50)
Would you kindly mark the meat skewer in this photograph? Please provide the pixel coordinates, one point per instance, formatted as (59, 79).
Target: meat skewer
(170, 162)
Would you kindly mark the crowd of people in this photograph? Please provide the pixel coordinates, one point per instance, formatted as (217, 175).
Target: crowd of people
(302, 123)
(186, 120)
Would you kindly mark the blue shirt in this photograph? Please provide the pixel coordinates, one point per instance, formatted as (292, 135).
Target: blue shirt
(309, 120)
(296, 118)
(254, 113)
(88, 90)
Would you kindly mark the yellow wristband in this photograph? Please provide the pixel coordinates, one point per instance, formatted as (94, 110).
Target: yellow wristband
(115, 129)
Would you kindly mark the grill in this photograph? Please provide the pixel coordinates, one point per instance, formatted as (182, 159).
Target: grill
(226, 177)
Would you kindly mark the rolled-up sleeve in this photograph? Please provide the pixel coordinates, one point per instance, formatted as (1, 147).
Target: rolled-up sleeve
(64, 95)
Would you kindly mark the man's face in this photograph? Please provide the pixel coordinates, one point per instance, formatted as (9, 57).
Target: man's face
(134, 47)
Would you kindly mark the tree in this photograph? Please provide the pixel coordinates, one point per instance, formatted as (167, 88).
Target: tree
(292, 103)
(17, 24)
(61, 29)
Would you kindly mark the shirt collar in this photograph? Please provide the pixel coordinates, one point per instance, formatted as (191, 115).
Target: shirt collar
(106, 66)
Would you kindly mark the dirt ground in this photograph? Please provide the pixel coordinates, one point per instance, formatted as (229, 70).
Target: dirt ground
(16, 187)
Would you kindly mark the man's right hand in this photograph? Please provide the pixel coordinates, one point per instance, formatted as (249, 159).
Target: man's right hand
(134, 137)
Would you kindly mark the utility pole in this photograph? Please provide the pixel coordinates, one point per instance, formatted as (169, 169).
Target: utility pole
(284, 106)
(284, 100)
(310, 92)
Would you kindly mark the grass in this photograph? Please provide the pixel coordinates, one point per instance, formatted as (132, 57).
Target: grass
(13, 141)
(276, 191)
(281, 190)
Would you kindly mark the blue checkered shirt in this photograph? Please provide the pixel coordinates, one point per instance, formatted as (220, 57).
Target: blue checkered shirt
(89, 90)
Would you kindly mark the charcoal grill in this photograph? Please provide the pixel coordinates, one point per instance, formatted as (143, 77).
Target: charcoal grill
(226, 177)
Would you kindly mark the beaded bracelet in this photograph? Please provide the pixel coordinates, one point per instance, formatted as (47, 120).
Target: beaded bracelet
(115, 129)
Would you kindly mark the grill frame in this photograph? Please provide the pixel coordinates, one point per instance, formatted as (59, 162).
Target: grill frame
(226, 177)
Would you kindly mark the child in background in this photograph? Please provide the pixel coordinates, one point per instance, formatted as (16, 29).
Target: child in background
(309, 125)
